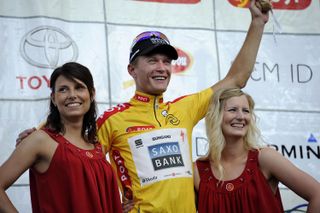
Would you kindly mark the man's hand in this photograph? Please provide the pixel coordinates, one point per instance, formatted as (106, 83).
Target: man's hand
(25, 133)
(264, 5)
(127, 205)
(258, 12)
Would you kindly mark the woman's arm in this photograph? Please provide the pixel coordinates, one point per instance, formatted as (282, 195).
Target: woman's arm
(275, 165)
(22, 158)
(196, 177)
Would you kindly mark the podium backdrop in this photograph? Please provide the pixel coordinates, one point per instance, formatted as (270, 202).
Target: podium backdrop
(39, 35)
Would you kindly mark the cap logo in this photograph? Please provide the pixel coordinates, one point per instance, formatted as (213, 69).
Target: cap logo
(147, 41)
(156, 41)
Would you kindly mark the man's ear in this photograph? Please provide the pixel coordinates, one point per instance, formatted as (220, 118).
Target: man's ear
(132, 71)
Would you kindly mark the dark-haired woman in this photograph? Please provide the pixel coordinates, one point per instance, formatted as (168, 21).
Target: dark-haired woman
(68, 170)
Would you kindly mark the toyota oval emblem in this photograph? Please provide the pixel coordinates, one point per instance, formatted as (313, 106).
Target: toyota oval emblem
(48, 47)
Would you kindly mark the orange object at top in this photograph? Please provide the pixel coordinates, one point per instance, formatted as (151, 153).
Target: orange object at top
(277, 5)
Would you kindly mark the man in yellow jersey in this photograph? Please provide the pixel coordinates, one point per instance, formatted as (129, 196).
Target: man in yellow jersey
(149, 140)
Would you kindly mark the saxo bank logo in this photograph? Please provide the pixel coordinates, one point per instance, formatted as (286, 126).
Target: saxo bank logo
(47, 46)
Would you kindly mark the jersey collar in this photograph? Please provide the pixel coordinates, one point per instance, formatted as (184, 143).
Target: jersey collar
(141, 97)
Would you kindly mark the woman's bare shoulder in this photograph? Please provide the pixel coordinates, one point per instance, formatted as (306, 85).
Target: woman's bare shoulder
(36, 138)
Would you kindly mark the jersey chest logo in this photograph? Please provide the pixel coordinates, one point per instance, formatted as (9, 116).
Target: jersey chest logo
(161, 154)
(170, 118)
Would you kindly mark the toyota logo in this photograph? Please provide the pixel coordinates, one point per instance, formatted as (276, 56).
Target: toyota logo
(47, 46)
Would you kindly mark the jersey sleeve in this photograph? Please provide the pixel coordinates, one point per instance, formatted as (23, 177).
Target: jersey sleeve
(201, 103)
(105, 129)
(196, 105)
(104, 132)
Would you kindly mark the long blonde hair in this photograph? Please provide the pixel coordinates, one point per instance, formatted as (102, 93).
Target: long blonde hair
(213, 122)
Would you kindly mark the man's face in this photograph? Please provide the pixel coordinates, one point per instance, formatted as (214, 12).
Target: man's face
(151, 73)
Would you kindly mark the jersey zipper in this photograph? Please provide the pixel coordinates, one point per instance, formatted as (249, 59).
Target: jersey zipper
(155, 108)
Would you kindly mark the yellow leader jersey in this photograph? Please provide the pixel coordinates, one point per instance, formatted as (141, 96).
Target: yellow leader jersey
(149, 144)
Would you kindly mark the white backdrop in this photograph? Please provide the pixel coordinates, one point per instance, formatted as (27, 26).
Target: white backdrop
(39, 35)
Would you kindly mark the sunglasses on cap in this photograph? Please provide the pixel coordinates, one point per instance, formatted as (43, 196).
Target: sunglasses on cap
(151, 41)
(148, 35)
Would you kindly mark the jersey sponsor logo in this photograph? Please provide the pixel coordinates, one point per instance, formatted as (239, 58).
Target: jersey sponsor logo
(139, 128)
(112, 111)
(170, 118)
(161, 137)
(145, 99)
(149, 179)
(165, 155)
(276, 4)
(183, 63)
(142, 98)
(182, 135)
(138, 143)
(122, 171)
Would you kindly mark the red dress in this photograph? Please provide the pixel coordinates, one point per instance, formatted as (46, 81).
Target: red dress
(77, 180)
(249, 192)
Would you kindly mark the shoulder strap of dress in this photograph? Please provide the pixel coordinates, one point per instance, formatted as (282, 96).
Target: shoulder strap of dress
(55, 136)
(204, 169)
(253, 158)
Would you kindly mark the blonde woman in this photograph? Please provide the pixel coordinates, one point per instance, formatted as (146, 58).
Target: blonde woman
(238, 174)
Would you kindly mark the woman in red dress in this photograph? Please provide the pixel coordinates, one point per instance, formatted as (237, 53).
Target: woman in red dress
(68, 169)
(239, 175)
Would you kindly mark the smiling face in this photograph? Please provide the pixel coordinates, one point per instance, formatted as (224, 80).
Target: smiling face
(151, 73)
(236, 117)
(71, 97)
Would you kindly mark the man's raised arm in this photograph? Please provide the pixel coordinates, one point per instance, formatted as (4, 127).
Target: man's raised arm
(243, 64)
